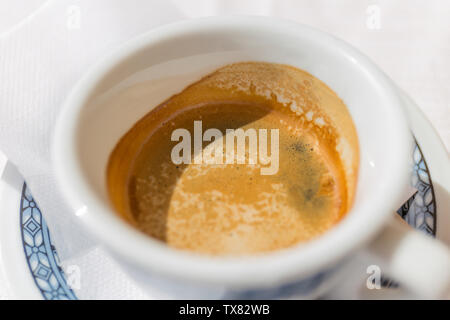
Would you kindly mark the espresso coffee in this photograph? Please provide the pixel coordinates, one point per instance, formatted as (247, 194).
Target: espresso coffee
(220, 197)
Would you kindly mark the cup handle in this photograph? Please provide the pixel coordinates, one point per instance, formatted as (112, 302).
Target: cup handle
(417, 261)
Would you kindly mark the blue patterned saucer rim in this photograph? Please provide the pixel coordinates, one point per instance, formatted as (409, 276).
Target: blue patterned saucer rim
(40, 253)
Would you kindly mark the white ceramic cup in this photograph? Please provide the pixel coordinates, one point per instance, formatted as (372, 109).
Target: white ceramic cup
(149, 69)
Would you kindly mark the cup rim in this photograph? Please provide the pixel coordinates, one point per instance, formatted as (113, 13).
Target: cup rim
(264, 270)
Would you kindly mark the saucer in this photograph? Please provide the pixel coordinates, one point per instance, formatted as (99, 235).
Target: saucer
(29, 264)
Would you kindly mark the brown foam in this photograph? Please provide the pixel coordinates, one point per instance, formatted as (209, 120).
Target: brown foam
(233, 209)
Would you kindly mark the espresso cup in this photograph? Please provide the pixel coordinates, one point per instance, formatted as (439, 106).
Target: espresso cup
(166, 60)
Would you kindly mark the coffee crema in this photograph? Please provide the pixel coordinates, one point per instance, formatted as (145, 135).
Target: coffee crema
(233, 209)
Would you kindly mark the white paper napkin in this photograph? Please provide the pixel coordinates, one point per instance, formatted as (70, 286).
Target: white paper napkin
(43, 57)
